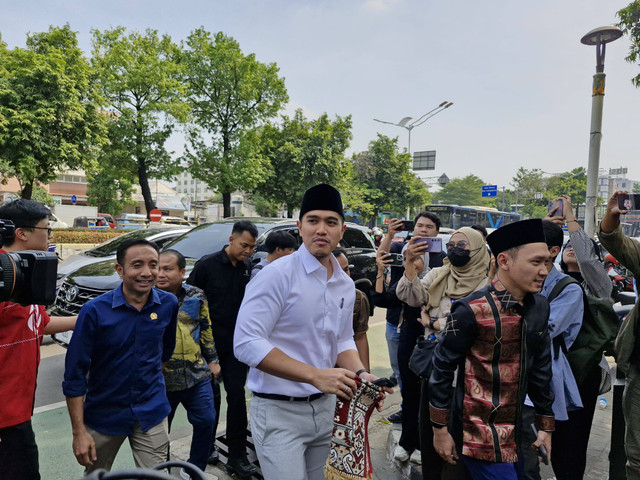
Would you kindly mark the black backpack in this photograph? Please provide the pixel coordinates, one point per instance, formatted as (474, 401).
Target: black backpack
(598, 331)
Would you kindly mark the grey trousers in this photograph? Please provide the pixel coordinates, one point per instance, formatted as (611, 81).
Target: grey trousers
(292, 439)
(631, 410)
(149, 448)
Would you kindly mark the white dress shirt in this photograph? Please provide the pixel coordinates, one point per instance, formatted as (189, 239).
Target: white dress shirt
(293, 307)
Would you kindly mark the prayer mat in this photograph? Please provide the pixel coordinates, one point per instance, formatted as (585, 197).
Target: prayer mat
(349, 457)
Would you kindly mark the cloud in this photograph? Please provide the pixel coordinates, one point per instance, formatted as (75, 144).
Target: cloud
(380, 5)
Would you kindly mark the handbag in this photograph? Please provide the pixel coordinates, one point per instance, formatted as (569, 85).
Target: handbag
(421, 360)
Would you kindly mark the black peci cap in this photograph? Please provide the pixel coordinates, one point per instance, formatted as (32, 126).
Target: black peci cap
(322, 197)
(516, 234)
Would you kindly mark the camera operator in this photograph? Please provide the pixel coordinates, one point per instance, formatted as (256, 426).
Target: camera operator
(21, 331)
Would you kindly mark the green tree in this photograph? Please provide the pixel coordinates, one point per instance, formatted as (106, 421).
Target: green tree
(49, 118)
(463, 191)
(40, 194)
(383, 180)
(303, 153)
(573, 183)
(630, 25)
(229, 94)
(109, 189)
(139, 75)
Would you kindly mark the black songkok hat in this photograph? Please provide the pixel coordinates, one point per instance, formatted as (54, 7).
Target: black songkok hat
(516, 234)
(322, 197)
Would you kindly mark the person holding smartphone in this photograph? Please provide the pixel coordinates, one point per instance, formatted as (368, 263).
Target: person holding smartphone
(425, 225)
(627, 251)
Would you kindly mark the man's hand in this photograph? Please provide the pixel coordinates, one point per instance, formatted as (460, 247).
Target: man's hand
(383, 259)
(215, 369)
(556, 215)
(369, 377)
(338, 381)
(544, 438)
(612, 204)
(415, 250)
(84, 448)
(611, 218)
(394, 226)
(444, 445)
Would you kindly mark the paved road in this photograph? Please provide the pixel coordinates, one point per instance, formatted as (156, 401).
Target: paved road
(50, 374)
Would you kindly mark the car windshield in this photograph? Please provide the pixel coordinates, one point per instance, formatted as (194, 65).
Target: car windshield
(205, 239)
(110, 247)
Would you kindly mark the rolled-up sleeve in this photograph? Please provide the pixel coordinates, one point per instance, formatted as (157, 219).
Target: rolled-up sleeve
(261, 307)
(78, 358)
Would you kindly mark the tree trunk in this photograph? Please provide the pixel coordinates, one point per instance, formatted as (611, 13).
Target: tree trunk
(149, 204)
(226, 204)
(27, 190)
(143, 179)
(290, 208)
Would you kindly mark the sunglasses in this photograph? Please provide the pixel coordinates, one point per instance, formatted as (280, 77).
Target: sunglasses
(461, 245)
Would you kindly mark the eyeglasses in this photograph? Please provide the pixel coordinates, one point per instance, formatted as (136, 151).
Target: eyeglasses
(568, 246)
(48, 229)
(461, 245)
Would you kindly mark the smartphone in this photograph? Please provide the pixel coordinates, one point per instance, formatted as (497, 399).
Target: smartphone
(629, 201)
(435, 243)
(408, 226)
(559, 210)
(398, 259)
(383, 382)
(542, 450)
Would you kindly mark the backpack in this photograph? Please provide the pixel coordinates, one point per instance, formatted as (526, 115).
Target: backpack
(599, 328)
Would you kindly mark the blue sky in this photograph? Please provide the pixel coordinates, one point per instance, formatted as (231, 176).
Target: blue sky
(518, 76)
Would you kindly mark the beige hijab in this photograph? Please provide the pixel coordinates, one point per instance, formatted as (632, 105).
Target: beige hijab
(458, 282)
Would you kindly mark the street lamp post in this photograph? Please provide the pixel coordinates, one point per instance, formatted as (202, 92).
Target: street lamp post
(410, 123)
(598, 37)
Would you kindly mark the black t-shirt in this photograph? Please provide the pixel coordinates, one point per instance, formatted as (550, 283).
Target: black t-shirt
(224, 286)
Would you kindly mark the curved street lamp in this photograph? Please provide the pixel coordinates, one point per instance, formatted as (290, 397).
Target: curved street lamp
(410, 123)
(598, 37)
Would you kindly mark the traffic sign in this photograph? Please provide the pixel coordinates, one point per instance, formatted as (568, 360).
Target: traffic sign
(489, 190)
(155, 215)
(74, 199)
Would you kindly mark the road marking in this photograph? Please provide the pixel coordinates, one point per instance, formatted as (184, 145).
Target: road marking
(46, 408)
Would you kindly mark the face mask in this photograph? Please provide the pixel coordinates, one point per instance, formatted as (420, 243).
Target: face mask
(458, 257)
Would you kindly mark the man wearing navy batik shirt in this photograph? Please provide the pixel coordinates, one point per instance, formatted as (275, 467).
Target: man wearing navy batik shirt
(115, 358)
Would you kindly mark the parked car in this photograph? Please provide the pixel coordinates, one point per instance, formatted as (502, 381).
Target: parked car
(109, 219)
(108, 249)
(94, 223)
(97, 278)
(132, 221)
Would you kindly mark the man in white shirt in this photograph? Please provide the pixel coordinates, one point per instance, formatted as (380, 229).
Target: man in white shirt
(293, 328)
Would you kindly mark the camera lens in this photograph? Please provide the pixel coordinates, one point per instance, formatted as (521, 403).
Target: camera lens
(10, 275)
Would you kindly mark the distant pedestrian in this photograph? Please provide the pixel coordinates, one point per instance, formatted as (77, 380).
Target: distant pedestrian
(279, 244)
(194, 359)
(113, 369)
(223, 277)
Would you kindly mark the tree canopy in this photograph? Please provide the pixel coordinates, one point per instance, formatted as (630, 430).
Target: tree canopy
(302, 153)
(229, 93)
(139, 76)
(630, 25)
(383, 180)
(49, 108)
(463, 191)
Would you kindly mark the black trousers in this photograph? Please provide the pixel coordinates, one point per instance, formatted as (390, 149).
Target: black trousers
(234, 376)
(18, 453)
(410, 330)
(215, 385)
(570, 440)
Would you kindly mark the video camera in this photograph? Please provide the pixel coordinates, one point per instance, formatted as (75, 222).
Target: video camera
(26, 277)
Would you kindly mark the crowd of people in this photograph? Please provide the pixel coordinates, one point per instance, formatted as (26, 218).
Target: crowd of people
(502, 394)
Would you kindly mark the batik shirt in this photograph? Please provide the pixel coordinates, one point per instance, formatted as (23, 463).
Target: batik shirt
(194, 349)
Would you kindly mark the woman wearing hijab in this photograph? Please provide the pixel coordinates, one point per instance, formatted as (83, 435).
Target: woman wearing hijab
(464, 271)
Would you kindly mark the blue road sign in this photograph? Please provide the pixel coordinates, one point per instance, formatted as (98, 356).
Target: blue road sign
(489, 190)
(74, 199)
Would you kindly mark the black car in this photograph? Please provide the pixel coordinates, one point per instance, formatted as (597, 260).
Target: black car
(92, 280)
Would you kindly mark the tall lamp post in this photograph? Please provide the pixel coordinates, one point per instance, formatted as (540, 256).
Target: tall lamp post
(598, 37)
(410, 123)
